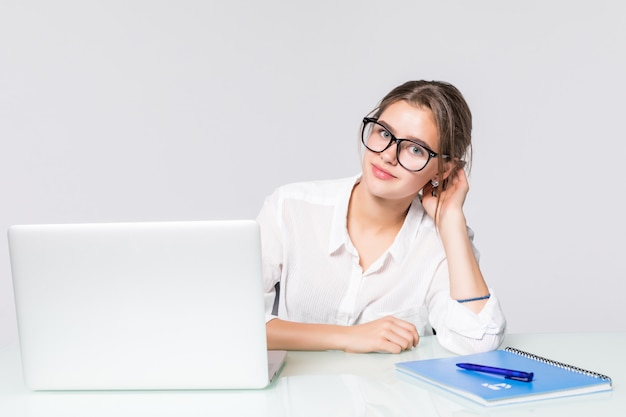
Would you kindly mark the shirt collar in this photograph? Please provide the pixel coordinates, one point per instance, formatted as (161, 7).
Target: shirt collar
(339, 227)
(408, 230)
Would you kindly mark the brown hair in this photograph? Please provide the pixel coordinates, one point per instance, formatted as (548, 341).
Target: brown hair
(450, 111)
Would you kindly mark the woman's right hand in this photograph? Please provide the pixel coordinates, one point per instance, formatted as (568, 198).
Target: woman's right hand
(387, 334)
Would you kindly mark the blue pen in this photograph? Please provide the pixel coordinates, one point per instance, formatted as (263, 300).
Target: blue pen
(507, 373)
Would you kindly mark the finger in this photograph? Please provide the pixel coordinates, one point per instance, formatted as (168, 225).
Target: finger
(460, 179)
(407, 327)
(390, 343)
(409, 333)
(397, 339)
(405, 338)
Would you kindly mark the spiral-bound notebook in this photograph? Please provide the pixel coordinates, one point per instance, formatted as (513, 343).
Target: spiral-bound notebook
(551, 379)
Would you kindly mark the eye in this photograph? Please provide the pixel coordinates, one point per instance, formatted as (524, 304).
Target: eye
(384, 133)
(415, 150)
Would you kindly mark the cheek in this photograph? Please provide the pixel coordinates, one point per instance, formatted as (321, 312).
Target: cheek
(419, 179)
(428, 173)
(411, 183)
(416, 183)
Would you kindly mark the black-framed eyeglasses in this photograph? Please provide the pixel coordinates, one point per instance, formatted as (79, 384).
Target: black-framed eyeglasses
(411, 155)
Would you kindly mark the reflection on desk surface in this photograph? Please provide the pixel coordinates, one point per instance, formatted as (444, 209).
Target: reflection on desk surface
(335, 384)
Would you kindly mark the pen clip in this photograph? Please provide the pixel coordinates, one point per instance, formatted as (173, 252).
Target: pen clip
(529, 378)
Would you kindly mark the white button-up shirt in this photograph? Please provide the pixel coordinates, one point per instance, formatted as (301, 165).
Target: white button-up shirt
(307, 249)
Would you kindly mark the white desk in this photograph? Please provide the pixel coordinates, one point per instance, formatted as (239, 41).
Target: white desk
(324, 384)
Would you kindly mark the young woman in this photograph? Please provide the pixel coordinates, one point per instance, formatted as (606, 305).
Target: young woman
(372, 262)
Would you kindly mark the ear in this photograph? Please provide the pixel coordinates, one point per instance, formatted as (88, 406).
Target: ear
(449, 167)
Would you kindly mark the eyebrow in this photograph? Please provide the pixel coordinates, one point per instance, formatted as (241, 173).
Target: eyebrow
(412, 139)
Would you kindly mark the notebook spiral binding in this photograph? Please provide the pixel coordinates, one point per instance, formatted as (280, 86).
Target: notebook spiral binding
(558, 364)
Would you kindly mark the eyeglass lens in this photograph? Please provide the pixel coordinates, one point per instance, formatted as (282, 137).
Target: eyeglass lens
(411, 155)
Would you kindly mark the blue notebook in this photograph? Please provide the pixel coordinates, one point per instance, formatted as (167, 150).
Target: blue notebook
(551, 379)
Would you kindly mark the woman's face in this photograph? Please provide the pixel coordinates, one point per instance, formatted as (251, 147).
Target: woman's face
(383, 176)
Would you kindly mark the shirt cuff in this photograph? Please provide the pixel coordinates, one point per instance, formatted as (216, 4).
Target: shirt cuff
(466, 323)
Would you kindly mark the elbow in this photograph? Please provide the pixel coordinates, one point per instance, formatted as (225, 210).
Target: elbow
(466, 345)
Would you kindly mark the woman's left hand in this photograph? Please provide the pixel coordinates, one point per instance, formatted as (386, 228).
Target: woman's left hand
(452, 197)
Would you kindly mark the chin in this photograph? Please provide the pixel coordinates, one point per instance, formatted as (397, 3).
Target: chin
(389, 190)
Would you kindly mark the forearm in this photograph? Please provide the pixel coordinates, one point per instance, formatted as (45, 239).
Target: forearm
(387, 334)
(466, 279)
(287, 335)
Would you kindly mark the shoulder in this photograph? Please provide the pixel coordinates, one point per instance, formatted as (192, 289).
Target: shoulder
(315, 191)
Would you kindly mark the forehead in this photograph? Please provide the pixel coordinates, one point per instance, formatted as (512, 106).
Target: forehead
(409, 121)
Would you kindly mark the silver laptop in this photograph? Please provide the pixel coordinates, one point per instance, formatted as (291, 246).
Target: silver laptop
(156, 305)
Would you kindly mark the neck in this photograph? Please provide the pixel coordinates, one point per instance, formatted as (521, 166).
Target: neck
(374, 212)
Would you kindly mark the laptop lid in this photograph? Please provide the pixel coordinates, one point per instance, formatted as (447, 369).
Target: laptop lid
(155, 305)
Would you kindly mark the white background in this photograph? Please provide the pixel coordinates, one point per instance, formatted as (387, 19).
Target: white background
(192, 110)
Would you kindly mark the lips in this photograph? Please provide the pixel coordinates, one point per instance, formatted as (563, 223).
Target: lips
(381, 173)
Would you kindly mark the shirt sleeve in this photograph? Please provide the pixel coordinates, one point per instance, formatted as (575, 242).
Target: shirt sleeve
(462, 331)
(459, 329)
(272, 250)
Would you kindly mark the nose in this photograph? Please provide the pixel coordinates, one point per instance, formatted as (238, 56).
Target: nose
(390, 154)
